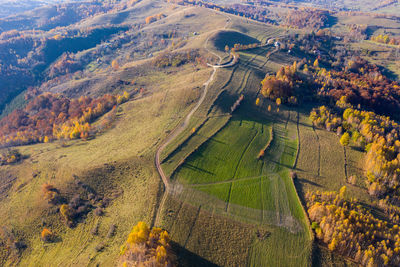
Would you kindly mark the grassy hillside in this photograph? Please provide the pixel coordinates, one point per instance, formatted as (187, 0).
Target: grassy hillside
(112, 164)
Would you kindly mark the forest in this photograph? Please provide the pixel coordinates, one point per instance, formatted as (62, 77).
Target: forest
(351, 230)
(50, 116)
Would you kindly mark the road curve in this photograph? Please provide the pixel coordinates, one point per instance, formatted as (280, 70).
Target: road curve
(179, 129)
(182, 126)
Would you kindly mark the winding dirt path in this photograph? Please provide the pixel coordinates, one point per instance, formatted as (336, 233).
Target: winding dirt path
(181, 127)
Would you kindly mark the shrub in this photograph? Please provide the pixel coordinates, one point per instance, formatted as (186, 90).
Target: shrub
(46, 235)
(66, 212)
(50, 193)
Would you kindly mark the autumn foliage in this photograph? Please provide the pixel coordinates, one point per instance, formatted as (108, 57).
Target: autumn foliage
(10, 156)
(307, 18)
(145, 247)
(361, 83)
(46, 235)
(351, 230)
(53, 116)
(385, 39)
(153, 18)
(379, 136)
(282, 85)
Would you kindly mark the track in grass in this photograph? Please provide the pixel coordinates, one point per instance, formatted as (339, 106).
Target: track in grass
(319, 151)
(225, 177)
(226, 167)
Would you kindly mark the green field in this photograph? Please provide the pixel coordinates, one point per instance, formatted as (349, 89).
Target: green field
(233, 182)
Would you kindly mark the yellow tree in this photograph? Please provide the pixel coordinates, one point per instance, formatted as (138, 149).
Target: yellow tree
(316, 63)
(345, 139)
(114, 64)
(257, 101)
(294, 67)
(226, 48)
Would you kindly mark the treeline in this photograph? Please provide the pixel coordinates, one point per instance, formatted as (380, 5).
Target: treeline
(385, 39)
(253, 12)
(240, 47)
(52, 116)
(177, 59)
(351, 230)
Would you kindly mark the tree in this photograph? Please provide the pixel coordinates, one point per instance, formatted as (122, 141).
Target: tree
(342, 191)
(316, 63)
(145, 247)
(269, 107)
(345, 139)
(294, 67)
(46, 235)
(66, 212)
(257, 101)
(114, 64)
(278, 101)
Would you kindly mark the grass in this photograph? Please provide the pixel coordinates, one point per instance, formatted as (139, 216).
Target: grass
(210, 224)
(128, 147)
(214, 113)
(206, 238)
(230, 38)
(321, 163)
(221, 175)
(247, 189)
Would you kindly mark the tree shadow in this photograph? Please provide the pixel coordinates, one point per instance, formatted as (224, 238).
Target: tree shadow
(190, 166)
(187, 258)
(302, 180)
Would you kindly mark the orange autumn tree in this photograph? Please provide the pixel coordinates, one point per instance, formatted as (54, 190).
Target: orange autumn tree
(114, 64)
(280, 85)
(145, 247)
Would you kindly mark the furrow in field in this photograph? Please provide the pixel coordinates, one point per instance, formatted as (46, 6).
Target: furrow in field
(319, 151)
(236, 169)
(192, 226)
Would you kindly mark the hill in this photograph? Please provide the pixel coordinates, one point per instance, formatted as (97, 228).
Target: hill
(279, 151)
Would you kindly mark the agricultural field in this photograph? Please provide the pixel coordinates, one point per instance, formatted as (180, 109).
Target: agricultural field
(225, 177)
(221, 175)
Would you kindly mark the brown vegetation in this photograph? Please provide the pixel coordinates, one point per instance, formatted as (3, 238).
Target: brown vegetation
(307, 18)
